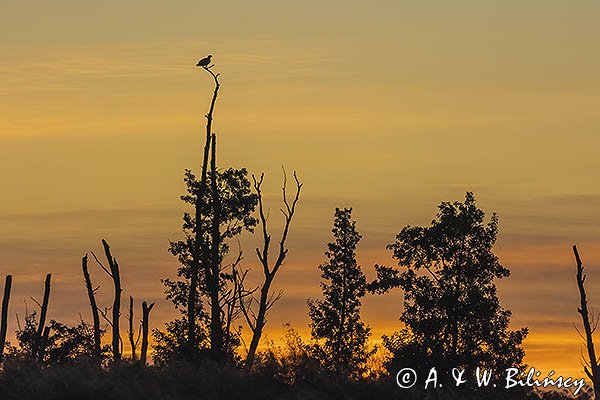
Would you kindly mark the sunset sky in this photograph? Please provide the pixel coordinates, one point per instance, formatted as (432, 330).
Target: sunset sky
(388, 107)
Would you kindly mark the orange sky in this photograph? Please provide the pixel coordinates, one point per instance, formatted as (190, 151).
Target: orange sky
(389, 108)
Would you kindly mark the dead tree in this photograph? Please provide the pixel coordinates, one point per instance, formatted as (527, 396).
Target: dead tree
(593, 372)
(200, 255)
(214, 277)
(43, 312)
(256, 320)
(130, 332)
(145, 329)
(4, 317)
(113, 272)
(133, 342)
(95, 315)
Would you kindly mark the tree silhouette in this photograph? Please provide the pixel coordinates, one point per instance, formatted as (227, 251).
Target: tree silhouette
(200, 251)
(237, 203)
(42, 333)
(61, 343)
(257, 319)
(452, 315)
(591, 367)
(171, 343)
(94, 307)
(336, 318)
(133, 341)
(4, 314)
(145, 329)
(114, 273)
(223, 206)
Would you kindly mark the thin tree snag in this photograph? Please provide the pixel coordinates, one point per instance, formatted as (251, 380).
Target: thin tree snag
(257, 321)
(216, 323)
(113, 272)
(4, 317)
(116, 310)
(145, 330)
(132, 341)
(200, 253)
(43, 313)
(95, 315)
(593, 372)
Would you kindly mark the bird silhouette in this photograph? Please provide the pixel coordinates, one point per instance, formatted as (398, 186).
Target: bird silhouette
(204, 62)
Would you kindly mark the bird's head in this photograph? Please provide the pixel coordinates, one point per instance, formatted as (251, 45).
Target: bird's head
(209, 56)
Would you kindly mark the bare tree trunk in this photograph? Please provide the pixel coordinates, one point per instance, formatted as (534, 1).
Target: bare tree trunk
(216, 324)
(94, 307)
(116, 309)
(4, 320)
(43, 313)
(132, 342)
(145, 329)
(257, 321)
(594, 374)
(200, 253)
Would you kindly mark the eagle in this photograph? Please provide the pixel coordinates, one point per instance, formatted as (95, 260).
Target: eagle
(204, 62)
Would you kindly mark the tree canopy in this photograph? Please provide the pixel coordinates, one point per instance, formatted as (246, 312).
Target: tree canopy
(336, 317)
(452, 316)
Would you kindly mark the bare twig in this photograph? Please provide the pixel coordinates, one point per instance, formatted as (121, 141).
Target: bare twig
(101, 265)
(104, 314)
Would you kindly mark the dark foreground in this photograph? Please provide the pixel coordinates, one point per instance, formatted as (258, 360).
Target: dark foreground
(182, 382)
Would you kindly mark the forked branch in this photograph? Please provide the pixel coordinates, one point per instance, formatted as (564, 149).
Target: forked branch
(257, 320)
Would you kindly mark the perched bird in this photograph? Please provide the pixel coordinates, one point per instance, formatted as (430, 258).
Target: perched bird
(204, 62)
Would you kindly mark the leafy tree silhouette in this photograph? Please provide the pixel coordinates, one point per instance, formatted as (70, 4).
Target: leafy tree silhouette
(336, 318)
(452, 314)
(237, 203)
(63, 345)
(171, 343)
